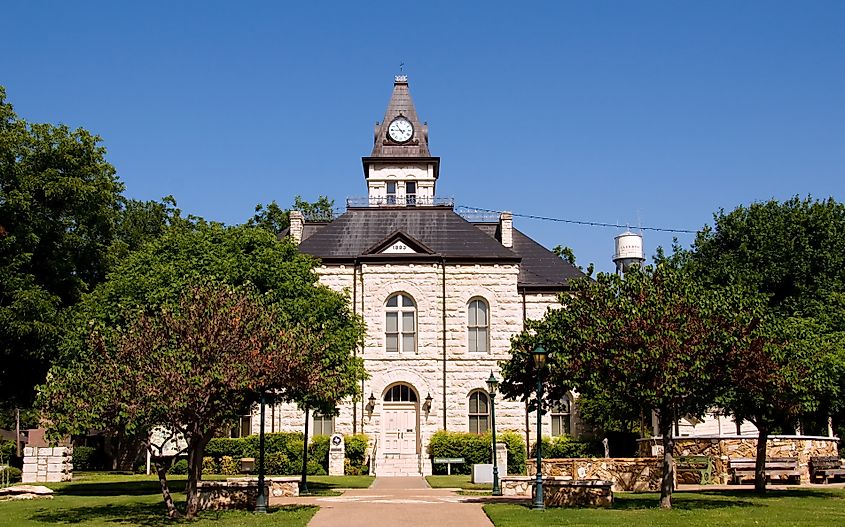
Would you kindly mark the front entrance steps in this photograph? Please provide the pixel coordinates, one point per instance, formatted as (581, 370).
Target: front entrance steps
(402, 465)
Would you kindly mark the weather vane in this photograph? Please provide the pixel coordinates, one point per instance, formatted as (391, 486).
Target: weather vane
(401, 67)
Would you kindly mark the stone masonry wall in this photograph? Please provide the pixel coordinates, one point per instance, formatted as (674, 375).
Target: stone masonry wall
(369, 287)
(724, 448)
(47, 464)
(628, 474)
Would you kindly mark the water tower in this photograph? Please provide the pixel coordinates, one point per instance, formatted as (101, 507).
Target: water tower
(629, 251)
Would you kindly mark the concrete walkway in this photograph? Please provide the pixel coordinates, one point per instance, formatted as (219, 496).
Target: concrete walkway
(396, 501)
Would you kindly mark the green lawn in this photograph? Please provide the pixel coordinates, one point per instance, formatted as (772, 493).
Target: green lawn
(456, 481)
(804, 507)
(102, 499)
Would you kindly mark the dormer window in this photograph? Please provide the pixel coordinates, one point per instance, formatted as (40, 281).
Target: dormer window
(410, 193)
(391, 193)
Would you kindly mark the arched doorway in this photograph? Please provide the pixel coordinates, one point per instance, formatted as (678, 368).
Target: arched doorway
(400, 420)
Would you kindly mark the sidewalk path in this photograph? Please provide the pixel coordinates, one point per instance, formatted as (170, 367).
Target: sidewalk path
(390, 502)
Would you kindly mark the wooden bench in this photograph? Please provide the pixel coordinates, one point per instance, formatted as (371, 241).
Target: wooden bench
(701, 465)
(825, 467)
(741, 468)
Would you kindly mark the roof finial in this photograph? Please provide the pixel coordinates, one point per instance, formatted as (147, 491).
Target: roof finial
(401, 67)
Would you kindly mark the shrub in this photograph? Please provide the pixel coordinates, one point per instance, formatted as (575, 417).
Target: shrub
(210, 465)
(567, 447)
(229, 465)
(225, 446)
(516, 451)
(7, 449)
(318, 450)
(356, 454)
(87, 458)
(475, 448)
(277, 464)
(179, 468)
(14, 474)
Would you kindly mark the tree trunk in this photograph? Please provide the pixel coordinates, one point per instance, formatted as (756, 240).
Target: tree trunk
(196, 449)
(760, 462)
(162, 465)
(667, 484)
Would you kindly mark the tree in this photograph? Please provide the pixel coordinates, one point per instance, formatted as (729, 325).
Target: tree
(275, 219)
(145, 293)
(655, 339)
(566, 253)
(59, 200)
(792, 253)
(782, 374)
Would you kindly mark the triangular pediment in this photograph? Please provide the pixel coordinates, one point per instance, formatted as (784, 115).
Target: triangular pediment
(399, 242)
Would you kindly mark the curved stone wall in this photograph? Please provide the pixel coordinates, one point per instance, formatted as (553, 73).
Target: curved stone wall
(723, 448)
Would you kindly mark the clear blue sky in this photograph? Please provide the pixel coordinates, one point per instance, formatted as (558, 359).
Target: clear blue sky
(651, 113)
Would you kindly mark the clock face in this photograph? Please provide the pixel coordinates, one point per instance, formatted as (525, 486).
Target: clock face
(400, 130)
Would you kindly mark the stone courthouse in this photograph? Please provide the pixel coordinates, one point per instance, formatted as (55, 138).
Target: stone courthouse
(441, 297)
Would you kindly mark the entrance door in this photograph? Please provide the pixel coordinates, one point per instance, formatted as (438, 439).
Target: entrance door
(399, 421)
(399, 431)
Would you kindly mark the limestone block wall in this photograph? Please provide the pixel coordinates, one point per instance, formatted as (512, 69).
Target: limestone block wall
(724, 448)
(628, 474)
(368, 286)
(47, 464)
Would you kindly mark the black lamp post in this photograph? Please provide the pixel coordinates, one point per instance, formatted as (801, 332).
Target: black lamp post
(261, 500)
(492, 386)
(539, 356)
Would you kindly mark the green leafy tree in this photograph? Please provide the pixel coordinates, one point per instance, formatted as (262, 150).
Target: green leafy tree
(568, 254)
(150, 282)
(276, 219)
(59, 201)
(792, 253)
(656, 339)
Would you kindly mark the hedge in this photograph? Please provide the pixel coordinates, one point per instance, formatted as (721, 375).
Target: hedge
(283, 453)
(14, 474)
(475, 448)
(567, 447)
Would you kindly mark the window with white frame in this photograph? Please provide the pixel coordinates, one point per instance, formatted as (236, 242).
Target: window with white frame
(478, 325)
(391, 193)
(479, 412)
(410, 193)
(561, 417)
(400, 324)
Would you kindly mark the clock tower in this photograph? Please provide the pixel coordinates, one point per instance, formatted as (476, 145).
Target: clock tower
(400, 171)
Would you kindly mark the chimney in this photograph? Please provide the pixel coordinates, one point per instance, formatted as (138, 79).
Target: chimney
(506, 228)
(297, 223)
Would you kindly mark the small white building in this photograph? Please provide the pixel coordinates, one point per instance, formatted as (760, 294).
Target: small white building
(441, 297)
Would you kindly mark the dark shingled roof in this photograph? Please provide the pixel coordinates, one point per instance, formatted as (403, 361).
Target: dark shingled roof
(448, 235)
(541, 269)
(439, 230)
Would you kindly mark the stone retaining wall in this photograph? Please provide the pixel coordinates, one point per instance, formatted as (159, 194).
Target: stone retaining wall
(626, 474)
(723, 448)
(561, 492)
(242, 493)
(47, 464)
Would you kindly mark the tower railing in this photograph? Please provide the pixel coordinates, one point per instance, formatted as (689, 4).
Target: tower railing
(399, 201)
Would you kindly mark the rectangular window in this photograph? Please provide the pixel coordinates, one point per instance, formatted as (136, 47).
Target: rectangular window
(478, 424)
(391, 193)
(392, 332)
(410, 193)
(323, 425)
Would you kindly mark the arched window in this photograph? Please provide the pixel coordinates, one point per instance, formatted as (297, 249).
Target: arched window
(478, 325)
(561, 414)
(400, 393)
(479, 412)
(400, 324)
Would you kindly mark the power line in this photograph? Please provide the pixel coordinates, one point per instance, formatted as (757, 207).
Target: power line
(583, 222)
